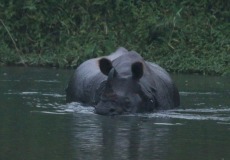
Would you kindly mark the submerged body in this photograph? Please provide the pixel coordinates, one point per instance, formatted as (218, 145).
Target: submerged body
(122, 82)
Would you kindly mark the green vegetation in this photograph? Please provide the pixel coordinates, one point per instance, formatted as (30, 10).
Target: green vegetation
(181, 36)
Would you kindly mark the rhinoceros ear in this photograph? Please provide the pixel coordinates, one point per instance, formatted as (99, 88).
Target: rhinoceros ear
(137, 70)
(105, 66)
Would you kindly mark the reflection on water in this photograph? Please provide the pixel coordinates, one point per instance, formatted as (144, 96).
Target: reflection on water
(37, 124)
(120, 138)
(220, 114)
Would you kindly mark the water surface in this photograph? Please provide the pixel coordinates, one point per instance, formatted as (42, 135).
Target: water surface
(35, 122)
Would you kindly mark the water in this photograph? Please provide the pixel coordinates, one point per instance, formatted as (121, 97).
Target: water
(35, 122)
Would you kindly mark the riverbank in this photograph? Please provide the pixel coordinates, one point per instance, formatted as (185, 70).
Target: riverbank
(181, 36)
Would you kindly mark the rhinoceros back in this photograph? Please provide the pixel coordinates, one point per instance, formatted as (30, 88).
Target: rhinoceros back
(166, 91)
(84, 82)
(87, 80)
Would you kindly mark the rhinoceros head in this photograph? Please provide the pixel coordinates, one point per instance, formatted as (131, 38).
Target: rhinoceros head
(122, 93)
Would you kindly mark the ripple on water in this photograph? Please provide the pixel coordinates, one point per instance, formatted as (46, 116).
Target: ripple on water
(47, 81)
(78, 108)
(194, 114)
(216, 114)
(198, 93)
(73, 107)
(35, 93)
(220, 114)
(169, 124)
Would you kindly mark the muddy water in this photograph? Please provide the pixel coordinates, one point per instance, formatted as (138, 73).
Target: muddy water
(35, 122)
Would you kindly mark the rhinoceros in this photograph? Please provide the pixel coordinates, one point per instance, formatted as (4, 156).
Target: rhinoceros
(121, 83)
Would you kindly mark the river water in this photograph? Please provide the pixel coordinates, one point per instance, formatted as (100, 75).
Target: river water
(36, 124)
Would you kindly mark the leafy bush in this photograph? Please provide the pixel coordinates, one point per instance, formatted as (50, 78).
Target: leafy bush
(182, 36)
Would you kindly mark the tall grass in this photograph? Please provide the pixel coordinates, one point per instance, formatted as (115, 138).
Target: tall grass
(182, 36)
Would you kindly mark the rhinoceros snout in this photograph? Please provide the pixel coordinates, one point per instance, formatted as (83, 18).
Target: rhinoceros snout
(108, 110)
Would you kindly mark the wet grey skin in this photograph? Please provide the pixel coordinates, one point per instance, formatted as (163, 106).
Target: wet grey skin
(122, 83)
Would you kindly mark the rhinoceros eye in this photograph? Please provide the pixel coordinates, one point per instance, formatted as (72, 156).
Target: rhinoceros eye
(127, 101)
(127, 104)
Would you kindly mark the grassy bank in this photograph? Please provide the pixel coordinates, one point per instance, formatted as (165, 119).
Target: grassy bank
(182, 36)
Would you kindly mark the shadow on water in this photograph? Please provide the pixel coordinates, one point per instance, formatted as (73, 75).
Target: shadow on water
(37, 124)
